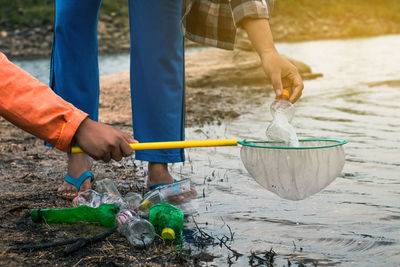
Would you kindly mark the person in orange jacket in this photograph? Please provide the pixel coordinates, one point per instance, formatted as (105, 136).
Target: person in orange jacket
(35, 108)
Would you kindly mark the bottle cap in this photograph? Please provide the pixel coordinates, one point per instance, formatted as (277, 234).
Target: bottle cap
(146, 205)
(168, 233)
(285, 94)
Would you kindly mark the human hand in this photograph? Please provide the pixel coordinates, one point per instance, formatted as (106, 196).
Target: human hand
(103, 142)
(283, 75)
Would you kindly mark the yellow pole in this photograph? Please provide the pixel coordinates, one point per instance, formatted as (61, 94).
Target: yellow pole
(175, 144)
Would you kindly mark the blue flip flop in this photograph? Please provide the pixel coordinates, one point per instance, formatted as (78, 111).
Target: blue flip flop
(77, 182)
(154, 186)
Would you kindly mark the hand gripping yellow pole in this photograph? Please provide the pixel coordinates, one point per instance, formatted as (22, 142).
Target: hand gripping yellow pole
(175, 144)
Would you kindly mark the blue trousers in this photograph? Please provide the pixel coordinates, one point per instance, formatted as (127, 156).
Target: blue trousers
(157, 68)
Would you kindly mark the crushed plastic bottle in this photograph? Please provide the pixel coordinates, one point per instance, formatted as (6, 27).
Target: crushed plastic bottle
(138, 231)
(107, 186)
(93, 199)
(134, 199)
(280, 128)
(167, 193)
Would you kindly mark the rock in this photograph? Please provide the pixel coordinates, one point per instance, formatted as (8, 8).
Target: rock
(391, 83)
(241, 67)
(216, 67)
(242, 41)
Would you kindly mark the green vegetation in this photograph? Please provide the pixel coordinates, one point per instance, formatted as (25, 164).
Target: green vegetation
(293, 20)
(384, 9)
(20, 14)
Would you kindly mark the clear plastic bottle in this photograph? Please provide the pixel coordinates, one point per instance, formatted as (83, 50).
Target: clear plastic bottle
(167, 193)
(280, 128)
(134, 199)
(93, 199)
(138, 231)
(107, 186)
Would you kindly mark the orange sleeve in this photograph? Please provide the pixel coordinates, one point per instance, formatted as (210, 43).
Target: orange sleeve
(35, 108)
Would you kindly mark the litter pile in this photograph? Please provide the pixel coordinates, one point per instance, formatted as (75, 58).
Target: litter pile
(141, 221)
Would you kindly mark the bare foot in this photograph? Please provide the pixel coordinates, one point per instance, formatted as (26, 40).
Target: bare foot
(77, 165)
(158, 173)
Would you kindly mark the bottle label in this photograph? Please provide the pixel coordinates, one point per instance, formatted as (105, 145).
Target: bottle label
(122, 217)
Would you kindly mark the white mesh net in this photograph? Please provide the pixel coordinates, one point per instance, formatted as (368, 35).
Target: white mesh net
(296, 173)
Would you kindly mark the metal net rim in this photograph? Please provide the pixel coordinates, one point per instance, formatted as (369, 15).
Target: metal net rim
(275, 144)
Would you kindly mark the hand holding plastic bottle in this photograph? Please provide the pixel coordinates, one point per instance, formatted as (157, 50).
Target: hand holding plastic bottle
(281, 72)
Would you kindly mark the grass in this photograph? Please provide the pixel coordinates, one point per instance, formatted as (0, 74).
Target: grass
(19, 14)
(385, 9)
(25, 13)
(356, 17)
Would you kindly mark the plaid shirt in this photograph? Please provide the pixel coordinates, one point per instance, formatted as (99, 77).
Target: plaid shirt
(214, 22)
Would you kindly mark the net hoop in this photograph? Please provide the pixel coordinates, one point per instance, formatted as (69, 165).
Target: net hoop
(264, 144)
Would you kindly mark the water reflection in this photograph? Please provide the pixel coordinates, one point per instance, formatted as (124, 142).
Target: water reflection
(356, 219)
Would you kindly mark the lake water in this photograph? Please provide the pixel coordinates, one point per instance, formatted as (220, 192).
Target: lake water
(355, 221)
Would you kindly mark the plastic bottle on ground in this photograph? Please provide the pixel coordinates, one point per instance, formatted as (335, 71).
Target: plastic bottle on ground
(93, 199)
(167, 220)
(138, 231)
(280, 128)
(107, 186)
(134, 199)
(168, 193)
(104, 214)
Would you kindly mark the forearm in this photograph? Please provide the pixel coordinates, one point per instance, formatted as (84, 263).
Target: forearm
(281, 72)
(260, 35)
(35, 108)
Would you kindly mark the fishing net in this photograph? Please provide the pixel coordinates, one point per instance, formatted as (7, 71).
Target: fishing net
(294, 173)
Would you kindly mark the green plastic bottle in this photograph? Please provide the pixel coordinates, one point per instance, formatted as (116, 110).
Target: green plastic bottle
(104, 214)
(167, 220)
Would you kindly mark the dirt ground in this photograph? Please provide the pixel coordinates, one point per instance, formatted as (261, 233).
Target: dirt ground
(30, 174)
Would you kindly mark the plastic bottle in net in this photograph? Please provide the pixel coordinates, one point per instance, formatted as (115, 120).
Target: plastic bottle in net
(138, 231)
(93, 199)
(280, 128)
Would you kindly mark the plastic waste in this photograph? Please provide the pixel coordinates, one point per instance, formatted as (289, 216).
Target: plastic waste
(167, 193)
(93, 199)
(107, 186)
(134, 199)
(138, 231)
(167, 220)
(104, 214)
(280, 128)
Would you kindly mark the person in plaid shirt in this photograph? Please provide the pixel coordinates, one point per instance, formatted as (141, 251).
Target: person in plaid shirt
(214, 22)
(157, 29)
